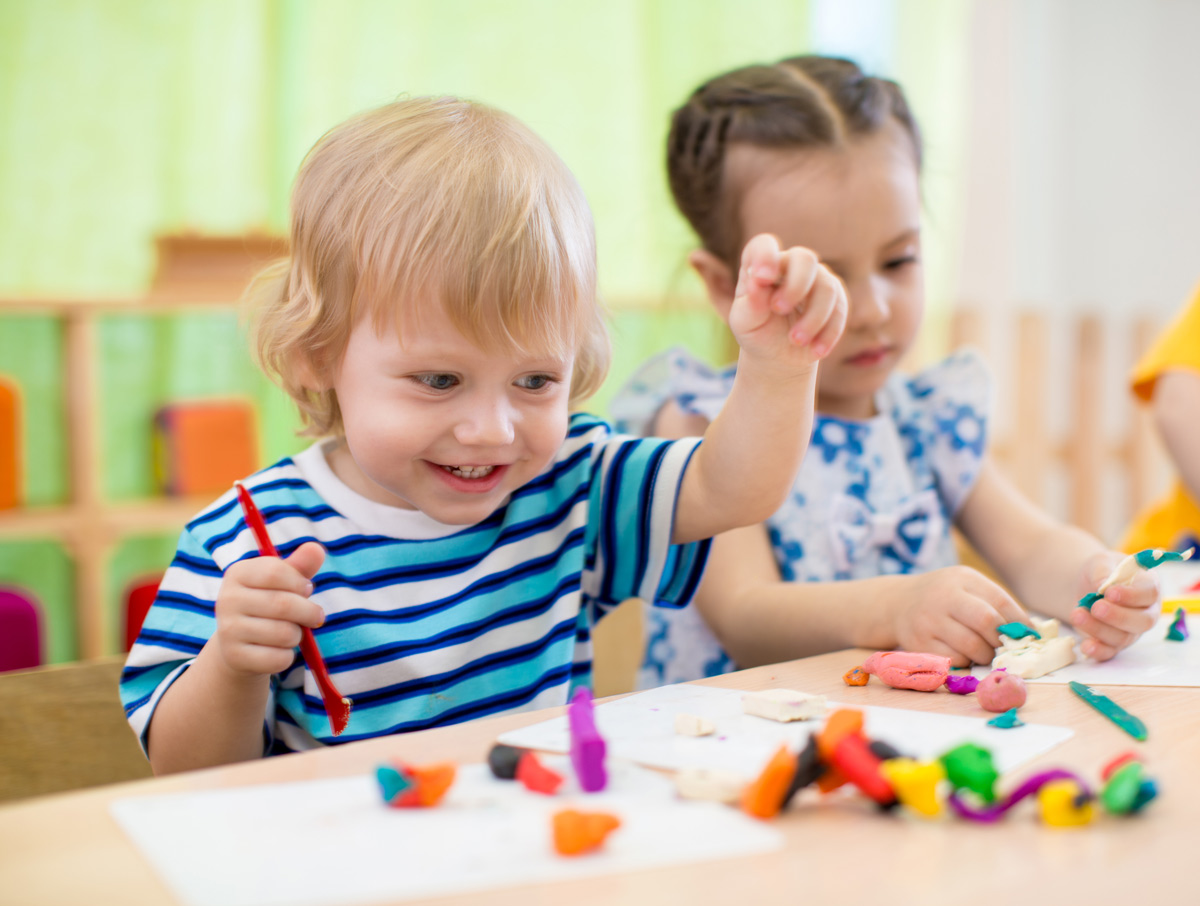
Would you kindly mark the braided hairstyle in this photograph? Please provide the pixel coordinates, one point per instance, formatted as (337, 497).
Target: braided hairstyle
(800, 102)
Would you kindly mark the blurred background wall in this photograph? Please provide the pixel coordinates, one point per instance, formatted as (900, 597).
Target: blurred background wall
(1061, 172)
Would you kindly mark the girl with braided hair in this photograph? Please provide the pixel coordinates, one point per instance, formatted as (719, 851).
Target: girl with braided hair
(824, 156)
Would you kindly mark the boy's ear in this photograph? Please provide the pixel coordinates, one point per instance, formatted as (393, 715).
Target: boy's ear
(718, 279)
(310, 376)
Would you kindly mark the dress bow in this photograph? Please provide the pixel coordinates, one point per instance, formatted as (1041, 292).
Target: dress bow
(911, 531)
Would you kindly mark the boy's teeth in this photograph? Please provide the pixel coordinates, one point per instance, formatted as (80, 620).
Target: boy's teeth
(469, 471)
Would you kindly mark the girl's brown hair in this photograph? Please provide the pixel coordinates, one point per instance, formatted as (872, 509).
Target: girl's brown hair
(801, 102)
(429, 201)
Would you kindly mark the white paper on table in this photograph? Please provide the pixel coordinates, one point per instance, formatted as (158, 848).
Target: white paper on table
(1150, 661)
(335, 841)
(641, 728)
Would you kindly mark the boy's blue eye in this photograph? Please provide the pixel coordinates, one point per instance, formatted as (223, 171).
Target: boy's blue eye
(535, 381)
(437, 381)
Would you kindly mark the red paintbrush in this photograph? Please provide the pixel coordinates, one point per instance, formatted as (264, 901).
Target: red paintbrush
(336, 706)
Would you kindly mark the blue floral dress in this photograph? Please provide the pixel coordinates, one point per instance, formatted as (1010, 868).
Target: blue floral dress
(873, 497)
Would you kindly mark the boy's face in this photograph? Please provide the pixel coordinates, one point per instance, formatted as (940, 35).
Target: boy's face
(439, 425)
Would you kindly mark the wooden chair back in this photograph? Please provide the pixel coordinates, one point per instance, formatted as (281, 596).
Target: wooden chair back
(63, 728)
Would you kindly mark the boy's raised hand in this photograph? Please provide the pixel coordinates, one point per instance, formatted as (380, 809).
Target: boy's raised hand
(1122, 615)
(788, 308)
(260, 607)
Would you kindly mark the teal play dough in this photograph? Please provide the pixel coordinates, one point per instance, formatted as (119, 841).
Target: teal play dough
(1007, 720)
(1017, 630)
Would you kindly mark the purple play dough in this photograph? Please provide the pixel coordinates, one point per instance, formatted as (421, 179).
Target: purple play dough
(961, 685)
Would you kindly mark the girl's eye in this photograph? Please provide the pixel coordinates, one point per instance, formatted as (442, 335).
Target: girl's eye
(437, 381)
(535, 381)
(897, 263)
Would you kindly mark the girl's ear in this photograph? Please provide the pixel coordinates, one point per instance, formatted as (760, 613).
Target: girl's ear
(718, 279)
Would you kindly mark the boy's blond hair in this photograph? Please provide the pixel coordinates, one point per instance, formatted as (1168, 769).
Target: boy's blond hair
(421, 202)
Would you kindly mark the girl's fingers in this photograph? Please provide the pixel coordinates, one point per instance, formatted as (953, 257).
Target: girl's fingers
(968, 645)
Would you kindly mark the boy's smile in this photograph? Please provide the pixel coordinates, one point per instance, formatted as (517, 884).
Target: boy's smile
(434, 423)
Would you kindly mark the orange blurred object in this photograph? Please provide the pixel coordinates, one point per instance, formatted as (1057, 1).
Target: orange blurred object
(763, 798)
(837, 725)
(203, 447)
(429, 784)
(10, 444)
(580, 832)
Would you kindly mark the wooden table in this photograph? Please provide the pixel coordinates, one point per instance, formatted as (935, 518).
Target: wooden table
(66, 849)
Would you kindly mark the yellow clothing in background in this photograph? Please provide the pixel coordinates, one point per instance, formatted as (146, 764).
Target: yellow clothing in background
(1172, 523)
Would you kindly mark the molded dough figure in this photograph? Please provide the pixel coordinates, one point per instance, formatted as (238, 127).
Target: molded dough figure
(1030, 658)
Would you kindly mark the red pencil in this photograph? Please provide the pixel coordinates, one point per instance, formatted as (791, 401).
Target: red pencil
(336, 706)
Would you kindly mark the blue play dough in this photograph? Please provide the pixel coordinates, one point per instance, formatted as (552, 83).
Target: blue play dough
(1007, 720)
(1018, 631)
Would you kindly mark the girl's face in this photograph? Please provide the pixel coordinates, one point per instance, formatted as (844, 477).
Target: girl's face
(859, 209)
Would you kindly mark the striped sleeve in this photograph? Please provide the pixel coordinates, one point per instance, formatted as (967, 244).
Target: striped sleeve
(632, 514)
(177, 626)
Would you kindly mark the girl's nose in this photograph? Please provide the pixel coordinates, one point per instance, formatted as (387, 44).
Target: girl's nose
(485, 423)
(868, 304)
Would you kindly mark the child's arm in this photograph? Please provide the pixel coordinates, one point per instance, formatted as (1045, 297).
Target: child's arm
(213, 713)
(1176, 402)
(787, 313)
(761, 619)
(1049, 566)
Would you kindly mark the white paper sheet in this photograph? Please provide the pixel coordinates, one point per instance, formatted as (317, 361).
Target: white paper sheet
(642, 728)
(1150, 661)
(334, 841)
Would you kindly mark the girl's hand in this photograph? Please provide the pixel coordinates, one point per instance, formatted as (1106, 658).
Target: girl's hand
(1123, 614)
(788, 309)
(954, 612)
(260, 607)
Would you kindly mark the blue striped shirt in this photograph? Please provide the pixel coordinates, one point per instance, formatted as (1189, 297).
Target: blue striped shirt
(430, 624)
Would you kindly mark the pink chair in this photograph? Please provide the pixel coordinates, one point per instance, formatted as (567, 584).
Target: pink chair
(20, 630)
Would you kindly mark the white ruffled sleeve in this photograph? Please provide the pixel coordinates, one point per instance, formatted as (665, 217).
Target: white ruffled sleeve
(696, 387)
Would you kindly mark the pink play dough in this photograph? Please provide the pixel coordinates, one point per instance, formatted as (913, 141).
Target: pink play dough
(1000, 690)
(909, 669)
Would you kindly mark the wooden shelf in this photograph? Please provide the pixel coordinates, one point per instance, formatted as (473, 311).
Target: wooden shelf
(195, 273)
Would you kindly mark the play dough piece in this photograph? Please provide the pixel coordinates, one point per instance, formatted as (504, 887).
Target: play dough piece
(580, 832)
(1043, 656)
(1000, 691)
(536, 776)
(587, 745)
(694, 725)
(909, 669)
(1017, 630)
(429, 784)
(856, 677)
(783, 704)
(503, 761)
(712, 785)
(1065, 803)
(971, 767)
(961, 685)
(763, 797)
(916, 783)
(1007, 720)
(1178, 632)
